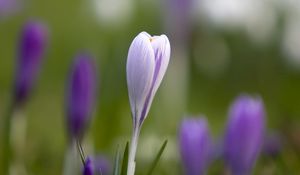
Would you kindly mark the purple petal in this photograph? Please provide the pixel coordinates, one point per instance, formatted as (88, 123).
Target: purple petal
(32, 47)
(8, 7)
(195, 145)
(88, 168)
(244, 135)
(81, 94)
(97, 165)
(102, 165)
(179, 19)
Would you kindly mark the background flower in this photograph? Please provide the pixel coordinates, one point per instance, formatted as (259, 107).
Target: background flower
(32, 46)
(244, 134)
(195, 145)
(80, 95)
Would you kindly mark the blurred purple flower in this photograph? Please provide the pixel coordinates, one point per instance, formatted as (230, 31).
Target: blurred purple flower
(178, 19)
(272, 145)
(31, 51)
(195, 145)
(96, 166)
(244, 134)
(81, 95)
(88, 168)
(147, 62)
(8, 7)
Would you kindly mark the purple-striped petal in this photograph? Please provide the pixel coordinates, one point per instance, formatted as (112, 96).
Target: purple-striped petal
(161, 49)
(140, 69)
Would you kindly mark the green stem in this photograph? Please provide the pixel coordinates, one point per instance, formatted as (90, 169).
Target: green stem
(132, 151)
(81, 152)
(6, 149)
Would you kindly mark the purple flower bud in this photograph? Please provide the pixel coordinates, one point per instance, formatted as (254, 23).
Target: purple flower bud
(32, 47)
(88, 168)
(244, 134)
(81, 95)
(195, 145)
(147, 62)
(97, 165)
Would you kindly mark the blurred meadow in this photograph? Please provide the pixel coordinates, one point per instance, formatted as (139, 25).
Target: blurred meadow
(219, 50)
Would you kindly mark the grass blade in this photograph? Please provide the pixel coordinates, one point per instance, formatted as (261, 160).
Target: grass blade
(125, 160)
(116, 170)
(158, 155)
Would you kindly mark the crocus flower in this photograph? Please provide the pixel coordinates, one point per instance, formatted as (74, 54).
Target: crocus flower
(96, 165)
(80, 95)
(147, 62)
(244, 134)
(88, 168)
(31, 51)
(195, 145)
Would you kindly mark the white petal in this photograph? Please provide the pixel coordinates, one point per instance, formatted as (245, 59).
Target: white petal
(146, 34)
(162, 49)
(140, 69)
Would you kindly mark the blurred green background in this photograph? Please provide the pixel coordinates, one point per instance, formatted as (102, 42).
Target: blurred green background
(220, 49)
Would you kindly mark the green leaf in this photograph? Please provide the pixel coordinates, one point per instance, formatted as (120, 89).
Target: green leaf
(125, 160)
(158, 155)
(117, 162)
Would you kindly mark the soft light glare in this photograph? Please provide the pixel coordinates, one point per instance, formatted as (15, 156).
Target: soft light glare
(257, 18)
(113, 12)
(291, 42)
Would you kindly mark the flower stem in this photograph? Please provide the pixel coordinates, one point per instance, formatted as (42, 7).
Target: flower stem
(6, 149)
(132, 151)
(71, 162)
(81, 152)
